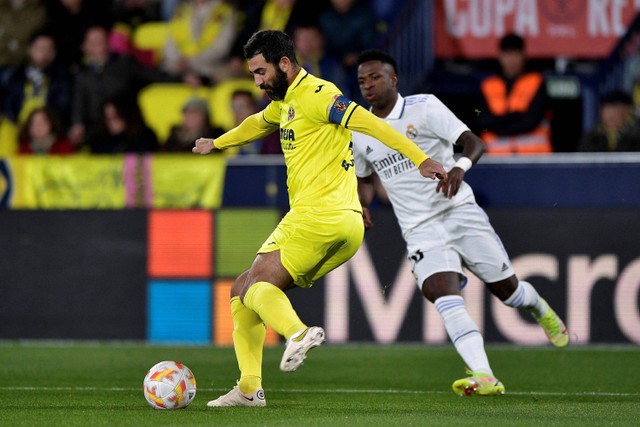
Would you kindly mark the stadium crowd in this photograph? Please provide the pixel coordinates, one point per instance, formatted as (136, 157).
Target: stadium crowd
(76, 69)
(71, 71)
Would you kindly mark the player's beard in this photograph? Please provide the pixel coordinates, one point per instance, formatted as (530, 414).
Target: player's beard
(277, 88)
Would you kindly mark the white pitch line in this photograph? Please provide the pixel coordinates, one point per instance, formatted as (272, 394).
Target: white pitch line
(330, 391)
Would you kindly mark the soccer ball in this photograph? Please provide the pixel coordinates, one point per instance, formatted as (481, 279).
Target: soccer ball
(169, 385)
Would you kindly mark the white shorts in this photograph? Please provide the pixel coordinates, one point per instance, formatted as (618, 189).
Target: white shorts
(460, 237)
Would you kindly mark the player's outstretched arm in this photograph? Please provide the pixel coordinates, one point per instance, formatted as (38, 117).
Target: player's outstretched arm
(365, 122)
(252, 128)
(472, 150)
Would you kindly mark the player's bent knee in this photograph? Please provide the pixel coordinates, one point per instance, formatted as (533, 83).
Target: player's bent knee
(238, 287)
(503, 289)
(441, 284)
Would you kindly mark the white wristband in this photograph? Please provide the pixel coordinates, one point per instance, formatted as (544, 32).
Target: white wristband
(463, 163)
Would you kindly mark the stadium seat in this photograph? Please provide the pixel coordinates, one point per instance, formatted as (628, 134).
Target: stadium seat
(8, 137)
(220, 100)
(148, 42)
(161, 105)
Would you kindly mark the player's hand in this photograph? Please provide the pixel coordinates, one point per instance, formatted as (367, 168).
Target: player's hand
(203, 146)
(432, 169)
(451, 186)
(366, 216)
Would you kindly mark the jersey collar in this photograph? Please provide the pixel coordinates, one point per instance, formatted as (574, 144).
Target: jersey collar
(397, 110)
(296, 82)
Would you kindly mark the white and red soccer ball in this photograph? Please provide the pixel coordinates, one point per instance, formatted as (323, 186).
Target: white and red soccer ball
(169, 385)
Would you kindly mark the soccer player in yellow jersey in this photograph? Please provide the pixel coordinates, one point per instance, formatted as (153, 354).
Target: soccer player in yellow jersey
(324, 227)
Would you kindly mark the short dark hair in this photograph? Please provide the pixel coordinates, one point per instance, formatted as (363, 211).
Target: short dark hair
(377, 55)
(511, 42)
(272, 44)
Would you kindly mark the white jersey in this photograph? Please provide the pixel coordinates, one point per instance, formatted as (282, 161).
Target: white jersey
(434, 128)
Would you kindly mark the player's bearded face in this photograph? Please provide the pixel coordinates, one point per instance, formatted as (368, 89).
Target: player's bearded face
(276, 88)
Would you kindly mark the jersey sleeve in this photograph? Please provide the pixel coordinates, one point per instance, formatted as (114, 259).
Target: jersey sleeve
(442, 123)
(327, 104)
(252, 128)
(363, 121)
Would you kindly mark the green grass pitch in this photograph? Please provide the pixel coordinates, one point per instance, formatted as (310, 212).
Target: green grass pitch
(100, 384)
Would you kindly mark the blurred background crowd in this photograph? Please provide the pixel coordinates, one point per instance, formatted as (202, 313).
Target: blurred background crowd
(138, 76)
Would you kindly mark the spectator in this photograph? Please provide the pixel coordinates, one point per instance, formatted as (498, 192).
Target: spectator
(310, 51)
(42, 133)
(104, 76)
(617, 130)
(349, 26)
(243, 105)
(40, 81)
(199, 40)
(18, 20)
(69, 21)
(282, 15)
(122, 129)
(196, 123)
(513, 118)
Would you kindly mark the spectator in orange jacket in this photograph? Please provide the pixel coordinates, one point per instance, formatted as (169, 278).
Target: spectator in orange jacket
(513, 120)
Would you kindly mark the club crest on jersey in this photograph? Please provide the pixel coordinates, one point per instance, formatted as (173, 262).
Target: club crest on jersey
(291, 114)
(411, 132)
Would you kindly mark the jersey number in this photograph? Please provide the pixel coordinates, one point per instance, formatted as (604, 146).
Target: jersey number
(346, 165)
(417, 256)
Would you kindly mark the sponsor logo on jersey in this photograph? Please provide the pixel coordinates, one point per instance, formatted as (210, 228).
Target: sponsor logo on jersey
(291, 114)
(393, 164)
(287, 134)
(369, 150)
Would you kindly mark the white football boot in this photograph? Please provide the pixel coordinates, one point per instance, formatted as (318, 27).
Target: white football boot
(298, 345)
(237, 398)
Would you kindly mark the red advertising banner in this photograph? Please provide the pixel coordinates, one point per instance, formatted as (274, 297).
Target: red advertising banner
(573, 28)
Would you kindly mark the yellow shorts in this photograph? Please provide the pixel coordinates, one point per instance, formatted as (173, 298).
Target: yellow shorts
(312, 244)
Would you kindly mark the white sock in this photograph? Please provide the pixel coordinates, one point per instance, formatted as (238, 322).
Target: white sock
(464, 333)
(525, 296)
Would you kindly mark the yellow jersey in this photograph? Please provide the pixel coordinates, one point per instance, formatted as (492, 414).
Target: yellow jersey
(314, 120)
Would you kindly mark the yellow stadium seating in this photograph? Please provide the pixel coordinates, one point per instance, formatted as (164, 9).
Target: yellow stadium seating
(220, 100)
(8, 137)
(161, 105)
(148, 40)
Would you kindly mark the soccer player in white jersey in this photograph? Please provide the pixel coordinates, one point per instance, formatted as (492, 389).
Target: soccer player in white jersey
(442, 224)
